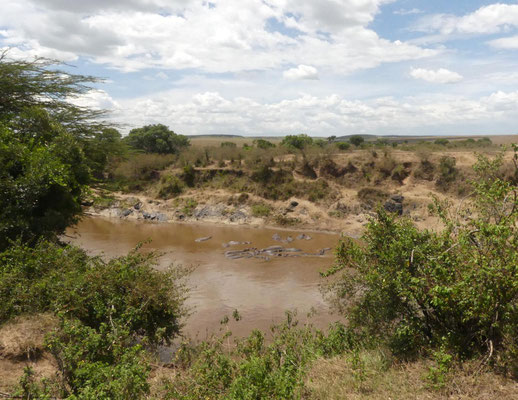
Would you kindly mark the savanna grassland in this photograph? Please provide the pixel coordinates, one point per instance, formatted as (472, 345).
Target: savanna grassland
(429, 292)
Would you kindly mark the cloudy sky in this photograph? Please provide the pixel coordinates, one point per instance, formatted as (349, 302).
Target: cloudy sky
(276, 67)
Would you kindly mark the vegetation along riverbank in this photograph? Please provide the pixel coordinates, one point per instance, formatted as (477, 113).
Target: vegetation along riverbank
(429, 294)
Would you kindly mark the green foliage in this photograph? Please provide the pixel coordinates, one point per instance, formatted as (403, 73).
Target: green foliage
(41, 184)
(100, 363)
(343, 146)
(448, 171)
(99, 149)
(356, 140)
(228, 144)
(141, 168)
(297, 141)
(255, 368)
(456, 288)
(261, 210)
(441, 142)
(127, 290)
(170, 186)
(263, 144)
(39, 85)
(189, 206)
(156, 139)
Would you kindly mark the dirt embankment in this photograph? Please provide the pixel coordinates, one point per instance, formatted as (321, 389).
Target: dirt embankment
(352, 186)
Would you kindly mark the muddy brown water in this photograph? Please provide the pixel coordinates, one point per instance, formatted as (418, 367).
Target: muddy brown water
(262, 291)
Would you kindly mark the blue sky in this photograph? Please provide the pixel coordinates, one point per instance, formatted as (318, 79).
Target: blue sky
(277, 67)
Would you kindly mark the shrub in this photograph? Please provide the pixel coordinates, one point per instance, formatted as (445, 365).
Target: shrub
(417, 290)
(263, 144)
(343, 146)
(170, 186)
(448, 172)
(64, 280)
(142, 167)
(261, 210)
(228, 144)
(356, 140)
(441, 142)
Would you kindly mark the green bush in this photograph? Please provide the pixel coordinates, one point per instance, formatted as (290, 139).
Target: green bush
(417, 290)
(255, 368)
(261, 210)
(170, 186)
(263, 144)
(343, 146)
(448, 172)
(64, 280)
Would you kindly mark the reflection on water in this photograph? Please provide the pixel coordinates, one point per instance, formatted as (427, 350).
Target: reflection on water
(261, 290)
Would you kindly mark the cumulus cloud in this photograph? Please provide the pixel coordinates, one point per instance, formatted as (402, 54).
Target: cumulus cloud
(216, 37)
(510, 42)
(489, 19)
(302, 72)
(442, 75)
(212, 113)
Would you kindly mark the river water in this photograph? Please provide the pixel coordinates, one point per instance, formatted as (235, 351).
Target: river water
(261, 290)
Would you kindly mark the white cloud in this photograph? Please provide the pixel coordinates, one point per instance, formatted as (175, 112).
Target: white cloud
(227, 36)
(505, 43)
(302, 72)
(411, 11)
(211, 113)
(442, 75)
(489, 19)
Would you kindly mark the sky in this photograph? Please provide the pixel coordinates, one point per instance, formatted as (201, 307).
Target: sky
(278, 67)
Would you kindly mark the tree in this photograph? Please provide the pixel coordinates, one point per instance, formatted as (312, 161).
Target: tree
(38, 84)
(100, 148)
(43, 170)
(263, 144)
(356, 140)
(156, 139)
(297, 141)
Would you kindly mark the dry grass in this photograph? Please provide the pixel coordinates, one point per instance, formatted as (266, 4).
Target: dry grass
(22, 345)
(23, 338)
(336, 379)
(204, 141)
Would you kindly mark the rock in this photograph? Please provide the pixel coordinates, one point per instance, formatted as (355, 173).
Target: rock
(397, 198)
(237, 215)
(125, 213)
(147, 215)
(392, 206)
(161, 217)
(294, 204)
(303, 236)
(87, 202)
(289, 239)
(203, 239)
(137, 205)
(276, 237)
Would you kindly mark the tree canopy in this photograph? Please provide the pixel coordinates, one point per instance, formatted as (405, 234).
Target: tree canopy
(297, 141)
(156, 139)
(43, 137)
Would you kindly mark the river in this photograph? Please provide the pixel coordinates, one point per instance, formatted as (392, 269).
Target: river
(261, 290)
